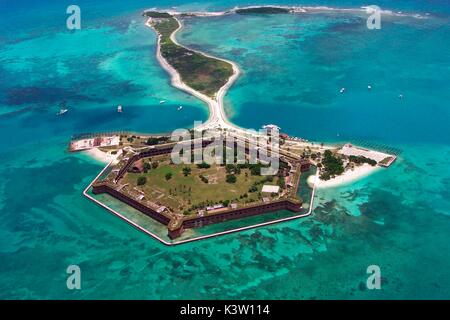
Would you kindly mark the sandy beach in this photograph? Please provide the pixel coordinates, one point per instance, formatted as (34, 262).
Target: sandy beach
(217, 118)
(346, 178)
(101, 156)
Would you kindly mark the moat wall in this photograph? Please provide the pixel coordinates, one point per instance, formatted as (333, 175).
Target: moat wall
(200, 220)
(238, 214)
(103, 188)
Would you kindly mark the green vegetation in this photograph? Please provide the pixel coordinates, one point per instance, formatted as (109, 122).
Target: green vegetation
(255, 169)
(169, 186)
(331, 166)
(141, 181)
(203, 178)
(262, 10)
(153, 140)
(231, 178)
(203, 165)
(147, 166)
(186, 171)
(204, 74)
(231, 168)
(362, 159)
(155, 14)
(281, 182)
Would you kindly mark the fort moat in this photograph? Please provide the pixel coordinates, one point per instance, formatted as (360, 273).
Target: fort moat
(183, 196)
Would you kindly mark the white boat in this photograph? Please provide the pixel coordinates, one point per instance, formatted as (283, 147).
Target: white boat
(179, 108)
(119, 109)
(342, 90)
(162, 101)
(62, 111)
(270, 127)
(400, 96)
(369, 87)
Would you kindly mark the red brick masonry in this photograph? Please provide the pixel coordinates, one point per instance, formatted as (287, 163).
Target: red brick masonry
(247, 211)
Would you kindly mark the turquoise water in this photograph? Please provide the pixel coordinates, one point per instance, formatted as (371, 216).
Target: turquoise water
(293, 68)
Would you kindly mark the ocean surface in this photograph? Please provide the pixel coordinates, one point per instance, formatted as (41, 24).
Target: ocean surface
(293, 68)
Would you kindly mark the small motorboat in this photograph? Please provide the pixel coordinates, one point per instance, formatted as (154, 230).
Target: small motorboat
(179, 108)
(400, 96)
(119, 109)
(63, 109)
(342, 90)
(369, 87)
(162, 101)
(62, 112)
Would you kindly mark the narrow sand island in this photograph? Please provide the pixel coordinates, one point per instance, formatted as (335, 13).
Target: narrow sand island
(214, 98)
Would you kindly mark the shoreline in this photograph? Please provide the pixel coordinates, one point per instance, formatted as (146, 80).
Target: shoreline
(347, 177)
(100, 156)
(217, 117)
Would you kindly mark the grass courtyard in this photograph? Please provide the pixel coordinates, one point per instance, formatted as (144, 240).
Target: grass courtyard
(173, 186)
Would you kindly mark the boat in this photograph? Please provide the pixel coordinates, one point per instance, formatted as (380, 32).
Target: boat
(62, 111)
(179, 108)
(270, 127)
(119, 109)
(162, 101)
(369, 87)
(342, 90)
(400, 96)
